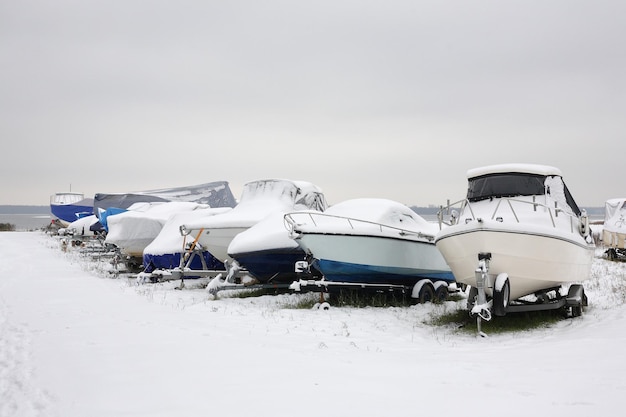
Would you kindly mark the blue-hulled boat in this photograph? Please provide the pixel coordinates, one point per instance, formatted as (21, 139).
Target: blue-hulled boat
(67, 207)
(370, 241)
(267, 252)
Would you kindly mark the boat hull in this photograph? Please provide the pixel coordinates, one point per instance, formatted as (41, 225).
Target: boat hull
(217, 240)
(153, 262)
(534, 261)
(70, 211)
(272, 265)
(374, 259)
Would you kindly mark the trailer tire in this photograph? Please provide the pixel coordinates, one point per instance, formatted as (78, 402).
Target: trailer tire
(501, 294)
(441, 294)
(426, 293)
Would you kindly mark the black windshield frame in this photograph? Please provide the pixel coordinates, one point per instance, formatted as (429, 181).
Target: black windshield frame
(512, 185)
(505, 185)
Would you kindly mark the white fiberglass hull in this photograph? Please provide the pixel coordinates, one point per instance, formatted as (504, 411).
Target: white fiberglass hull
(374, 259)
(217, 240)
(534, 259)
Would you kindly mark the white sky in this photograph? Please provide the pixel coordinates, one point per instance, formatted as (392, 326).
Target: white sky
(393, 99)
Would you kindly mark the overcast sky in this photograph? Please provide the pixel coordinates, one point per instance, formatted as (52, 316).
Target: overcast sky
(393, 99)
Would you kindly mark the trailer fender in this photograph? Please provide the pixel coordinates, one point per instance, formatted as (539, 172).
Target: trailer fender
(421, 288)
(501, 293)
(441, 291)
(576, 296)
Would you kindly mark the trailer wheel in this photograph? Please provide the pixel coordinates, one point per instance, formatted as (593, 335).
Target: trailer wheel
(426, 293)
(441, 294)
(501, 293)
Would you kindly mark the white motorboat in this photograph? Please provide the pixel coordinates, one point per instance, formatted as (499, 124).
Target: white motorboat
(518, 233)
(258, 200)
(614, 228)
(373, 242)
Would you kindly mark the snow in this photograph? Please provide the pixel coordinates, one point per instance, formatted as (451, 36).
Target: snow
(365, 216)
(76, 342)
(134, 229)
(81, 226)
(272, 232)
(514, 167)
(261, 198)
(169, 239)
(615, 215)
(269, 233)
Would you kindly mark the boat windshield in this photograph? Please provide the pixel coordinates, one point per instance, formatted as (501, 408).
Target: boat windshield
(505, 185)
(520, 184)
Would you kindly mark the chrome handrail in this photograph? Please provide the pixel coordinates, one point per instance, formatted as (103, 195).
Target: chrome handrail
(552, 212)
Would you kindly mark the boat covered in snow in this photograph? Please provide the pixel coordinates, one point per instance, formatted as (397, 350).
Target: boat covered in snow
(135, 228)
(214, 194)
(267, 252)
(614, 229)
(258, 200)
(171, 250)
(374, 242)
(518, 233)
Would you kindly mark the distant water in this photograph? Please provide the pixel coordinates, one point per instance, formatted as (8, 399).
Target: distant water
(26, 221)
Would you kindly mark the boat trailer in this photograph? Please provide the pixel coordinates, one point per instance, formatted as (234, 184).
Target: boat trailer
(500, 305)
(233, 277)
(425, 290)
(616, 254)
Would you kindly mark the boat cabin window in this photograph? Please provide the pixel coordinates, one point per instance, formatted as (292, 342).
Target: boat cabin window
(505, 185)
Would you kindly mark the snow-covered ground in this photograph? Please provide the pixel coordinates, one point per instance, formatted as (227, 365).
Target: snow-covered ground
(77, 342)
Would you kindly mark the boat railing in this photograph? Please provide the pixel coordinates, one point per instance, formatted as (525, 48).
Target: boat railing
(506, 204)
(295, 222)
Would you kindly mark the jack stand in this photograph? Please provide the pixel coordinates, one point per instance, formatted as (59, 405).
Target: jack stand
(233, 269)
(481, 308)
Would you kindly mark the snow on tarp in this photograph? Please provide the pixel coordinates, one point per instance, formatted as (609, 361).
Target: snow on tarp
(170, 240)
(135, 228)
(263, 197)
(83, 225)
(615, 215)
(214, 194)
